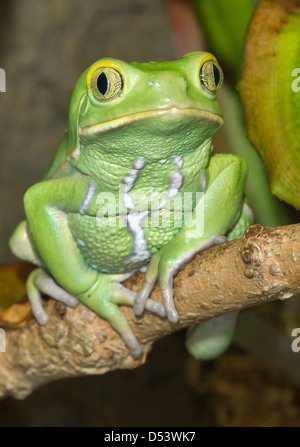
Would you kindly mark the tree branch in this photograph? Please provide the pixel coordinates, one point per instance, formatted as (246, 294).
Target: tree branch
(262, 266)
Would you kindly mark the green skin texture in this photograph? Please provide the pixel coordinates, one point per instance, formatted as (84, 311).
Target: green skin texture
(162, 112)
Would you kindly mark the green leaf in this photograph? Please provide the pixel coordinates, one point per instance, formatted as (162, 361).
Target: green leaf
(270, 93)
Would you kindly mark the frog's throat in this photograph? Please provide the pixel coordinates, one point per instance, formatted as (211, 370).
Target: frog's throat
(172, 111)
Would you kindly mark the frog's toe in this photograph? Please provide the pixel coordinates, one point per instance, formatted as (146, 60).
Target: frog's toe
(138, 308)
(35, 298)
(41, 316)
(40, 282)
(125, 296)
(167, 297)
(151, 305)
(133, 345)
(140, 302)
(116, 318)
(167, 270)
(172, 315)
(47, 285)
(155, 307)
(141, 298)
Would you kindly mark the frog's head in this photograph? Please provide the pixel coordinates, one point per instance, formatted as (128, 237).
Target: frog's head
(152, 109)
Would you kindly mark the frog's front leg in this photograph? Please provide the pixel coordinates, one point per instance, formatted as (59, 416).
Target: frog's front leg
(219, 207)
(165, 268)
(47, 205)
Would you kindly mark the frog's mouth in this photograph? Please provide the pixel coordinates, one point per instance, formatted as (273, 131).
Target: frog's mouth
(116, 123)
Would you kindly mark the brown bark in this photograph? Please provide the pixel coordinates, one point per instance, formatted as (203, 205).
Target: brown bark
(262, 266)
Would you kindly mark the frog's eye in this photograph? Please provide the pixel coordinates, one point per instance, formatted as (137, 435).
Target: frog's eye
(211, 76)
(106, 83)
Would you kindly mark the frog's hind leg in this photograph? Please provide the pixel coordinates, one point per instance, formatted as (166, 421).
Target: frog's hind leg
(40, 282)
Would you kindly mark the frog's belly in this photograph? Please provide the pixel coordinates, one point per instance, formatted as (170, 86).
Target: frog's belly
(119, 244)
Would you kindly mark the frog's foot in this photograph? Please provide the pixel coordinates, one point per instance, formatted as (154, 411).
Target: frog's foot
(105, 296)
(151, 305)
(40, 282)
(208, 340)
(164, 266)
(129, 297)
(147, 286)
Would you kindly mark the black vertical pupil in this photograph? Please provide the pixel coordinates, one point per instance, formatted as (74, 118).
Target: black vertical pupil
(102, 83)
(216, 75)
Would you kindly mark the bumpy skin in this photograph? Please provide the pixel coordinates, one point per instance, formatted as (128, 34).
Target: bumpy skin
(114, 197)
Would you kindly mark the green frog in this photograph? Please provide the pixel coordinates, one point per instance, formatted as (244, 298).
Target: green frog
(134, 185)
